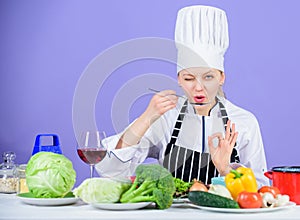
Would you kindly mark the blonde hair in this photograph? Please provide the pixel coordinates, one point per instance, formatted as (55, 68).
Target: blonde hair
(221, 93)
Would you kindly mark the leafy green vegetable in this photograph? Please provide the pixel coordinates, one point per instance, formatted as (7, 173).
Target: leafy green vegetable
(49, 175)
(182, 187)
(153, 183)
(101, 190)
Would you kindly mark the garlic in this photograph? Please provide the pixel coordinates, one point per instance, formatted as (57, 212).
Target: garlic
(220, 190)
(281, 200)
(268, 200)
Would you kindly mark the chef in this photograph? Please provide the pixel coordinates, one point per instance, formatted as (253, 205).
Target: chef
(202, 134)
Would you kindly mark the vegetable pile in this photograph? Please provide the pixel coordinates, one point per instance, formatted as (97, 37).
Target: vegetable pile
(240, 192)
(153, 183)
(216, 196)
(49, 175)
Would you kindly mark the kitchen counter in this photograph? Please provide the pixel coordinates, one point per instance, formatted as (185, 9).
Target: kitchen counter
(11, 207)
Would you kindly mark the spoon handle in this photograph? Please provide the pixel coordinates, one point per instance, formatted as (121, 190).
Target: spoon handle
(192, 103)
(156, 91)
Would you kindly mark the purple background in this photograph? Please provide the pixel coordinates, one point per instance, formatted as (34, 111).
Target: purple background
(46, 45)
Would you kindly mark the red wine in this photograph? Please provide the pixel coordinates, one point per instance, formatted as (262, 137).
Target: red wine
(91, 155)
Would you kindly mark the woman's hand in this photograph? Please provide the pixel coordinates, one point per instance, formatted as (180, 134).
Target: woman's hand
(160, 103)
(221, 154)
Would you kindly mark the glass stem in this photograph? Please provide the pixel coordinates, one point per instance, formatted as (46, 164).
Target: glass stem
(92, 170)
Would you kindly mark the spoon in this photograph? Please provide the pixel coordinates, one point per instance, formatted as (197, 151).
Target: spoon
(192, 103)
(157, 91)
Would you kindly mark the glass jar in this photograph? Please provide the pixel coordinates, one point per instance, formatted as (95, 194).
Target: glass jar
(8, 176)
(22, 186)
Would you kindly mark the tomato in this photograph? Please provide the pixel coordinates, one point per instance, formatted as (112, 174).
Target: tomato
(248, 200)
(271, 189)
(132, 178)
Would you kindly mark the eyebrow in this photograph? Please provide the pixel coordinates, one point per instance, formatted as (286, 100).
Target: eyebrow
(189, 73)
(210, 70)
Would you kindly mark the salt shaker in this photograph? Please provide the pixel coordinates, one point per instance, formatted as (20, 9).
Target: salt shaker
(8, 175)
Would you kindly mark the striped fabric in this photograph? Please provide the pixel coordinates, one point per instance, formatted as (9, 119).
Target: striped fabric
(187, 164)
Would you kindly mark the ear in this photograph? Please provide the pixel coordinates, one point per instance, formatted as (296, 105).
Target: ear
(222, 78)
(178, 80)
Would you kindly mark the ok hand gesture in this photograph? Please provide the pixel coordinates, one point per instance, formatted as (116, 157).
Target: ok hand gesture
(221, 153)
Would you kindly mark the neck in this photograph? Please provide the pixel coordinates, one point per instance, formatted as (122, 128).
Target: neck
(205, 110)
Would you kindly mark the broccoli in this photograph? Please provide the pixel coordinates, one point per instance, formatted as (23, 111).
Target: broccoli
(153, 183)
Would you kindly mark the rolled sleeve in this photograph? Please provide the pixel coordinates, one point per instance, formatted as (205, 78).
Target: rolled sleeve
(121, 162)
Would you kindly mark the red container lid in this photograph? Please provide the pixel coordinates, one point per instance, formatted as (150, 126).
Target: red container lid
(287, 169)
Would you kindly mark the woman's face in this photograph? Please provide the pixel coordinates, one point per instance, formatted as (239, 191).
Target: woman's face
(200, 84)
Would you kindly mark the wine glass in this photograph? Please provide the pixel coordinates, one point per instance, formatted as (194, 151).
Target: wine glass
(91, 149)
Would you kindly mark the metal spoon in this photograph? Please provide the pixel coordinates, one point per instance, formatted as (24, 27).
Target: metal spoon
(192, 103)
(157, 91)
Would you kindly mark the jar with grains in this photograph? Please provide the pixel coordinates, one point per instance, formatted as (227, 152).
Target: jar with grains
(22, 186)
(8, 176)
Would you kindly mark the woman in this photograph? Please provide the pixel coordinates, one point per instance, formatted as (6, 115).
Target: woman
(201, 135)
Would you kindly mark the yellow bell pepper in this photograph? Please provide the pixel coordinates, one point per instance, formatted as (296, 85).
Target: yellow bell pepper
(239, 180)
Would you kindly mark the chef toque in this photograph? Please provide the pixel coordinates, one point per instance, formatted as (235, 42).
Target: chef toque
(201, 37)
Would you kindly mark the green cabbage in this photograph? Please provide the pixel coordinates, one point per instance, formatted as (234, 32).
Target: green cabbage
(50, 175)
(101, 190)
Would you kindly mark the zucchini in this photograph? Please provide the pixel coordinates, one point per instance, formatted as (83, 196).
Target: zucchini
(202, 198)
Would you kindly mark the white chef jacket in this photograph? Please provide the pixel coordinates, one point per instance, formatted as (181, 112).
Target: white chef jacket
(249, 145)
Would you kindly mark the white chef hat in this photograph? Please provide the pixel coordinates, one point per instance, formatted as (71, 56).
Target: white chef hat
(201, 37)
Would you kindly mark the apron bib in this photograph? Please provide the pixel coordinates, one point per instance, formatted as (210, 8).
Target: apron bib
(187, 164)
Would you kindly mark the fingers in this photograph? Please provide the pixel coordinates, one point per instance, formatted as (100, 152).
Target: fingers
(167, 95)
(162, 102)
(211, 145)
(209, 141)
(230, 135)
(227, 132)
(217, 135)
(234, 138)
(166, 99)
(233, 128)
(166, 103)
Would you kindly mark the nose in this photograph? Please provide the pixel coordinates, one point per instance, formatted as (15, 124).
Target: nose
(199, 85)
